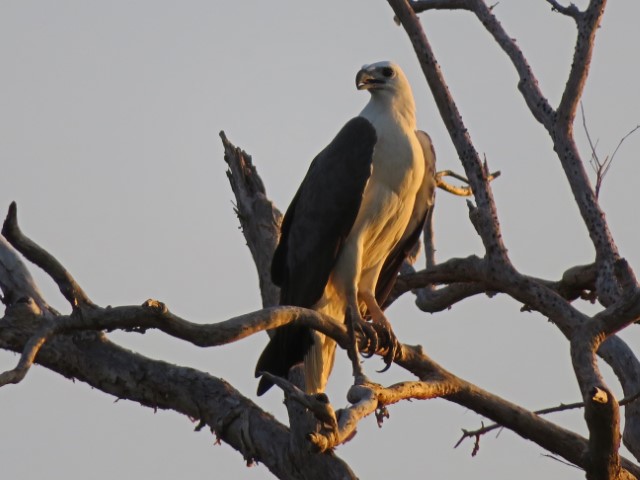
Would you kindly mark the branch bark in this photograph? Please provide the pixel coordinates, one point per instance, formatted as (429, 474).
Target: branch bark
(90, 357)
(74, 345)
(611, 283)
(259, 218)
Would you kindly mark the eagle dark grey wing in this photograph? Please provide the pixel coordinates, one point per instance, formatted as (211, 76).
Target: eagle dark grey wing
(313, 231)
(322, 213)
(424, 201)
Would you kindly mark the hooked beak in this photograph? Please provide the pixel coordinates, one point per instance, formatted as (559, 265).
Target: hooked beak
(366, 80)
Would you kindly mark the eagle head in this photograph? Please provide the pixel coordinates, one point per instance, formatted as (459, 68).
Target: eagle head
(381, 76)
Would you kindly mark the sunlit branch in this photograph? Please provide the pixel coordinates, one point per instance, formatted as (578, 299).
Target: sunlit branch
(460, 191)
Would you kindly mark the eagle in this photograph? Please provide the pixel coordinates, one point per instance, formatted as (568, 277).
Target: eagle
(356, 216)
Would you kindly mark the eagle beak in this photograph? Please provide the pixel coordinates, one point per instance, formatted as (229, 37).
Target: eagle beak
(366, 80)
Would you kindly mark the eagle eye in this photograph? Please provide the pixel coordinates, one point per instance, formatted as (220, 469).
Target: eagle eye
(387, 72)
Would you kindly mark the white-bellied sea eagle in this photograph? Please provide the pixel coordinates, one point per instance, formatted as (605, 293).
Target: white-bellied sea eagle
(357, 214)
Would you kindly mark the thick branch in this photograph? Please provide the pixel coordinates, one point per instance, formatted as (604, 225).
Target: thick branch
(93, 359)
(560, 126)
(563, 407)
(411, 358)
(474, 169)
(553, 438)
(467, 277)
(533, 292)
(432, 301)
(617, 316)
(545, 297)
(528, 83)
(603, 419)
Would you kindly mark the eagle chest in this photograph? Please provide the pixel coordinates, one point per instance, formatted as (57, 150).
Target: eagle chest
(389, 196)
(396, 163)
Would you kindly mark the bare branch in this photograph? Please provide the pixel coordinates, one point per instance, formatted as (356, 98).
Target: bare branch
(460, 191)
(27, 358)
(365, 398)
(370, 397)
(236, 420)
(467, 277)
(553, 438)
(571, 11)
(490, 229)
(437, 300)
(632, 131)
(616, 317)
(528, 83)
(601, 168)
(317, 403)
(16, 281)
(557, 123)
(259, 218)
(424, 5)
(560, 408)
(37, 255)
(603, 419)
(587, 23)
(154, 314)
(532, 291)
(429, 239)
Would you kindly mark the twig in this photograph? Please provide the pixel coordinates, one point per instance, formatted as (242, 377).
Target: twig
(460, 191)
(601, 168)
(560, 408)
(569, 464)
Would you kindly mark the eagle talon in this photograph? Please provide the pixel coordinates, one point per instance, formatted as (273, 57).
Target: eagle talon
(369, 333)
(389, 357)
(390, 341)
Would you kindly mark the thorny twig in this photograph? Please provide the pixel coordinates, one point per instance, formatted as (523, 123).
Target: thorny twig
(560, 408)
(601, 168)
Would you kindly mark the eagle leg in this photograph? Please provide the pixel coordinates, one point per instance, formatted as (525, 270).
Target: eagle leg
(353, 322)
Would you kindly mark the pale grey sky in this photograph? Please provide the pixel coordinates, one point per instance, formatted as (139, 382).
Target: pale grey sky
(109, 115)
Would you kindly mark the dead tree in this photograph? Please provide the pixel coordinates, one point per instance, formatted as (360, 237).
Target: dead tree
(75, 345)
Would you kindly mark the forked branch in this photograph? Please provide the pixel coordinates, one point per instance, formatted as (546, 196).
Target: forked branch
(40, 257)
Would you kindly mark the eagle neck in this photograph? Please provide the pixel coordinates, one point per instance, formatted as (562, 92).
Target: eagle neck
(401, 109)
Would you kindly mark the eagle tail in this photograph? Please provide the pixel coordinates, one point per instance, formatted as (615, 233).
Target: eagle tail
(318, 363)
(287, 347)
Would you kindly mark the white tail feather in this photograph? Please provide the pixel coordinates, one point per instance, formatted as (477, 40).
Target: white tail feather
(318, 362)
